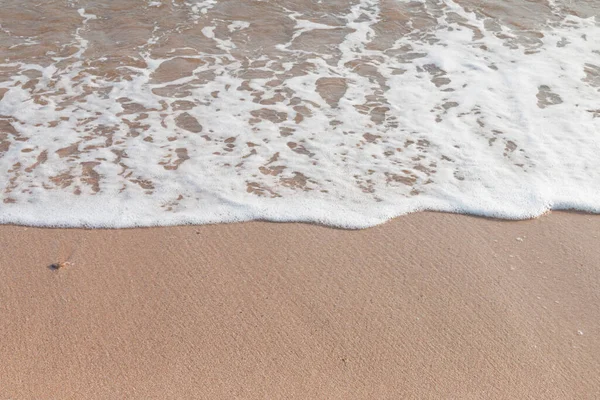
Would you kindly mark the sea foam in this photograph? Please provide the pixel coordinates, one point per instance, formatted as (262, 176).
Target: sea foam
(345, 114)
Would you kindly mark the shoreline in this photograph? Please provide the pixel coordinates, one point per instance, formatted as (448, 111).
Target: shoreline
(325, 225)
(427, 305)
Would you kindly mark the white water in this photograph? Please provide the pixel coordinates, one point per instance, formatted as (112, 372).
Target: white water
(347, 115)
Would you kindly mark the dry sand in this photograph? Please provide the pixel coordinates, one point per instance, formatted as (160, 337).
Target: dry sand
(426, 306)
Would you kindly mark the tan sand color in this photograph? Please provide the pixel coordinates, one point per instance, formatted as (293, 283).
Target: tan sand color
(426, 306)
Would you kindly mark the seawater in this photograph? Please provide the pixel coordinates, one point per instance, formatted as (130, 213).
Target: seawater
(348, 113)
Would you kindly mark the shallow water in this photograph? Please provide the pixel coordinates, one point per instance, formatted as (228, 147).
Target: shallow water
(125, 113)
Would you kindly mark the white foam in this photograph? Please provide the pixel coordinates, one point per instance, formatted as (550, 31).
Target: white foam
(238, 25)
(455, 117)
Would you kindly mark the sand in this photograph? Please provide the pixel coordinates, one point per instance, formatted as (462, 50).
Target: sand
(429, 305)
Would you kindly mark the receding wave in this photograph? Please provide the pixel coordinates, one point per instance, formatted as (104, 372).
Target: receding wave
(137, 113)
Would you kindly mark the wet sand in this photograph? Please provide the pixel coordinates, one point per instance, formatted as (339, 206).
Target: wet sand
(428, 305)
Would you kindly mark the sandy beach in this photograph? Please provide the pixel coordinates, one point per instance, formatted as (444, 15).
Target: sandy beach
(178, 114)
(428, 305)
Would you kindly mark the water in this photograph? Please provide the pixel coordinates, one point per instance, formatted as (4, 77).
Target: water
(137, 113)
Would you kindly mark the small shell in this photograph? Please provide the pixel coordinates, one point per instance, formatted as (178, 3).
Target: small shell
(60, 264)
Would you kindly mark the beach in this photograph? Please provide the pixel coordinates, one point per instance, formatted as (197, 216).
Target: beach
(277, 199)
(428, 305)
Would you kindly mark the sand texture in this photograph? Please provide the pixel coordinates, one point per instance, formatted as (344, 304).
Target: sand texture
(429, 306)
